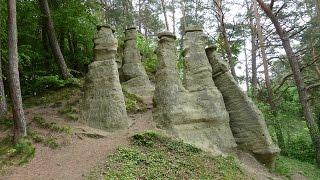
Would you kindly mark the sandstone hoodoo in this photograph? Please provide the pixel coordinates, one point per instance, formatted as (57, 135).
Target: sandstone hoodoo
(208, 109)
(103, 104)
(136, 80)
(246, 120)
(195, 113)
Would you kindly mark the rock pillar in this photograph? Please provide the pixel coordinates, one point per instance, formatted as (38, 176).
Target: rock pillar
(196, 113)
(246, 121)
(136, 80)
(103, 105)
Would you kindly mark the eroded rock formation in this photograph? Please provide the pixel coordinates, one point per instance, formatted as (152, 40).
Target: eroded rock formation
(136, 80)
(103, 105)
(246, 120)
(195, 113)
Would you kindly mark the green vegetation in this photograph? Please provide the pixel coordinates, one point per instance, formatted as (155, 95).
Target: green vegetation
(17, 154)
(154, 156)
(55, 97)
(147, 48)
(37, 138)
(52, 143)
(70, 112)
(294, 129)
(41, 122)
(6, 123)
(133, 103)
(288, 167)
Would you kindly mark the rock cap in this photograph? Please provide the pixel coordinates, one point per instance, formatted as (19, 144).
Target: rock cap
(106, 26)
(193, 28)
(167, 34)
(130, 28)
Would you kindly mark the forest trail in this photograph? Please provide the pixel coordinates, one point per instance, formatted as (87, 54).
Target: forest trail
(80, 153)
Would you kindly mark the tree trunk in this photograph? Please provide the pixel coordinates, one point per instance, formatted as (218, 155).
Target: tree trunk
(220, 17)
(298, 78)
(3, 102)
(165, 14)
(173, 17)
(247, 67)
(44, 6)
(254, 48)
(317, 4)
(61, 39)
(139, 16)
(277, 125)
(20, 129)
(254, 77)
(183, 9)
(314, 58)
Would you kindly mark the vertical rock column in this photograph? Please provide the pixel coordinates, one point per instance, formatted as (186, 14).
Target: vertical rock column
(170, 97)
(103, 103)
(210, 112)
(198, 78)
(184, 113)
(247, 122)
(136, 79)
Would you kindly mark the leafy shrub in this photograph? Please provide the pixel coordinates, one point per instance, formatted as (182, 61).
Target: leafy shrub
(15, 154)
(147, 48)
(24, 149)
(288, 167)
(302, 149)
(54, 82)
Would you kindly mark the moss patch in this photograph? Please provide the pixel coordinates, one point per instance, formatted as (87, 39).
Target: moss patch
(153, 156)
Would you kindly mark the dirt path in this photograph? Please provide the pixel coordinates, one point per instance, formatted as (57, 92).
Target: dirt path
(80, 156)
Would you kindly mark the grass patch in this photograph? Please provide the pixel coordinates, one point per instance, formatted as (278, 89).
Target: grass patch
(17, 154)
(51, 97)
(41, 122)
(288, 167)
(133, 103)
(70, 112)
(37, 138)
(51, 143)
(154, 156)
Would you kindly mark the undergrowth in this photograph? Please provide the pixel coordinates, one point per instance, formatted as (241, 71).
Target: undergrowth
(154, 156)
(288, 167)
(41, 122)
(133, 103)
(55, 97)
(15, 154)
(70, 109)
(37, 138)
(5, 124)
